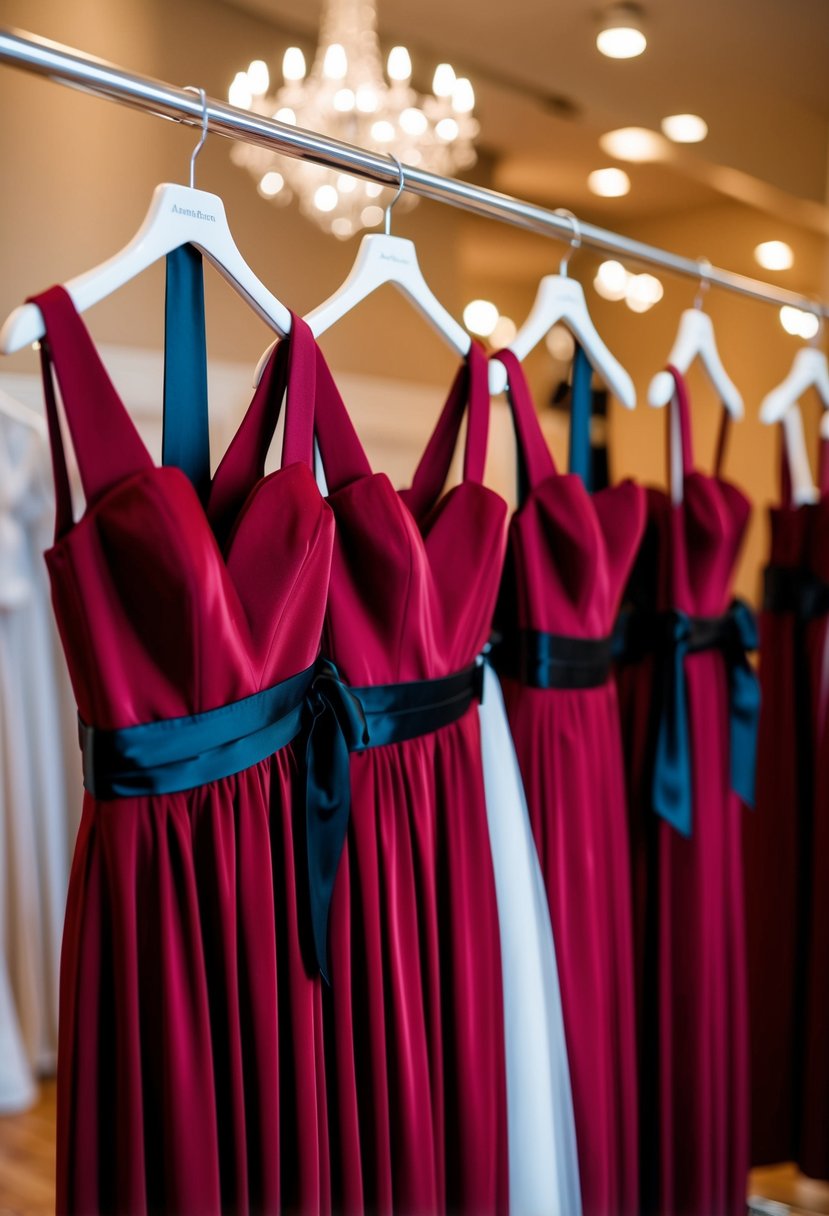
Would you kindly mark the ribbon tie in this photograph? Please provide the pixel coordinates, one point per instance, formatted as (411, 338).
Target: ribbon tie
(734, 634)
(337, 727)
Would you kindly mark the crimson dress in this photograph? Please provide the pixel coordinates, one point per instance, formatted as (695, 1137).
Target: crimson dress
(568, 559)
(415, 1009)
(680, 698)
(191, 1065)
(777, 840)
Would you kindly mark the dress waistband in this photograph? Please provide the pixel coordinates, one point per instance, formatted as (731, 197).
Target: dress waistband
(181, 753)
(790, 589)
(177, 754)
(552, 660)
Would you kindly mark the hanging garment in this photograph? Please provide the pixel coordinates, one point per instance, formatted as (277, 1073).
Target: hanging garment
(415, 1009)
(543, 1157)
(191, 1071)
(777, 840)
(35, 857)
(812, 652)
(688, 703)
(568, 557)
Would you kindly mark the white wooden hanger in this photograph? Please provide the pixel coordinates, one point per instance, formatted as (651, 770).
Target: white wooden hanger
(383, 258)
(561, 298)
(695, 339)
(804, 489)
(178, 215)
(809, 370)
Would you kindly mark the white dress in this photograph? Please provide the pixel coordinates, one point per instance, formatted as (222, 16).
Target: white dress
(34, 807)
(543, 1159)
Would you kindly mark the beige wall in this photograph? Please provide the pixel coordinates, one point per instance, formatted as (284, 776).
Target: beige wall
(78, 173)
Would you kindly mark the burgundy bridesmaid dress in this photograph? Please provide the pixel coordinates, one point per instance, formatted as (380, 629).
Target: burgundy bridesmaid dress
(813, 1153)
(416, 1050)
(191, 1064)
(688, 703)
(777, 844)
(568, 558)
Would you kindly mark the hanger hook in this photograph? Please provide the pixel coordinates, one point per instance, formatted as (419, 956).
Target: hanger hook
(817, 337)
(704, 285)
(192, 88)
(575, 239)
(400, 184)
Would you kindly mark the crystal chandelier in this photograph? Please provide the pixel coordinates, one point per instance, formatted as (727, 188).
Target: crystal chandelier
(347, 96)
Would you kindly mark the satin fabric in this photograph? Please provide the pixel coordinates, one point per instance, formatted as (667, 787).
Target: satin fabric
(415, 1010)
(568, 558)
(813, 1148)
(191, 1070)
(776, 850)
(688, 892)
(543, 1157)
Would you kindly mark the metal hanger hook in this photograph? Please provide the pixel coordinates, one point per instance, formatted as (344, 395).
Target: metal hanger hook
(575, 239)
(401, 182)
(704, 285)
(192, 88)
(816, 339)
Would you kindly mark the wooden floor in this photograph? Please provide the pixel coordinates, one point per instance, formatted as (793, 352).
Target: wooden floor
(27, 1169)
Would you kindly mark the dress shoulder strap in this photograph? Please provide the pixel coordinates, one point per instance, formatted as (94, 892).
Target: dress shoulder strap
(468, 397)
(535, 460)
(107, 445)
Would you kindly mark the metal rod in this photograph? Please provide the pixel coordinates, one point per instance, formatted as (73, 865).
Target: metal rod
(70, 67)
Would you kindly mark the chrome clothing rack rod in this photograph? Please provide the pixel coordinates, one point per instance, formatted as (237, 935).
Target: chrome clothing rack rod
(71, 67)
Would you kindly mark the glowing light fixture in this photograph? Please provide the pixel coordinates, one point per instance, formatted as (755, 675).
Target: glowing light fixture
(798, 323)
(609, 183)
(774, 255)
(354, 94)
(480, 317)
(635, 144)
(611, 281)
(621, 35)
(643, 291)
(684, 128)
(503, 333)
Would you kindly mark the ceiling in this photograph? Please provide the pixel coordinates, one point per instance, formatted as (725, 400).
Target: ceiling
(754, 69)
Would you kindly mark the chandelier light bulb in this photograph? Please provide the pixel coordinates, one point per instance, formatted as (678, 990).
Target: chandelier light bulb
(621, 35)
(383, 131)
(239, 93)
(463, 96)
(643, 291)
(342, 227)
(503, 333)
(774, 255)
(335, 63)
(399, 64)
(443, 81)
(372, 216)
(325, 198)
(346, 184)
(447, 130)
(287, 115)
(259, 80)
(366, 99)
(609, 183)
(413, 121)
(293, 64)
(560, 343)
(684, 128)
(480, 317)
(344, 101)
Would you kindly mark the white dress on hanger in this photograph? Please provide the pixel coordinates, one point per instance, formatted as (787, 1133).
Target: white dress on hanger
(34, 848)
(543, 1158)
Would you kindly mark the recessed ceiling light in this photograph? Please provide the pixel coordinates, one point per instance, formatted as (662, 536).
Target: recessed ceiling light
(621, 35)
(685, 128)
(608, 183)
(480, 317)
(635, 144)
(798, 323)
(774, 255)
